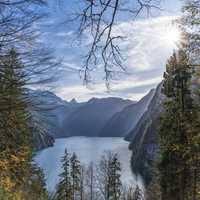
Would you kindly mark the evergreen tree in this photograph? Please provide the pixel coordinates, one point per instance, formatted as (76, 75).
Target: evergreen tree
(18, 176)
(109, 177)
(15, 149)
(191, 21)
(75, 176)
(70, 186)
(153, 190)
(177, 132)
(64, 188)
(35, 185)
(114, 178)
(191, 29)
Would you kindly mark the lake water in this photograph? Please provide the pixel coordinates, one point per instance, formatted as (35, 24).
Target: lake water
(88, 149)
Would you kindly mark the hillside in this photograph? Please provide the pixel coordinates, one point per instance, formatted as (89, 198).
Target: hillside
(143, 138)
(91, 117)
(124, 121)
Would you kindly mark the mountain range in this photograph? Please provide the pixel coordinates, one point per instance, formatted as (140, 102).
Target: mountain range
(91, 118)
(53, 117)
(137, 122)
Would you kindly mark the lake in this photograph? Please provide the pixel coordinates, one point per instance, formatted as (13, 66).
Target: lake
(88, 149)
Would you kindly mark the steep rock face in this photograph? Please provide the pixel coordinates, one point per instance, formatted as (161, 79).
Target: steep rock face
(91, 117)
(144, 136)
(123, 122)
(41, 137)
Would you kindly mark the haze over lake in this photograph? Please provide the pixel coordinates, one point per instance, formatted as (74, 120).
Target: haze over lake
(88, 149)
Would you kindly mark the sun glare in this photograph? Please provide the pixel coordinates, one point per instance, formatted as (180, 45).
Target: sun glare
(172, 36)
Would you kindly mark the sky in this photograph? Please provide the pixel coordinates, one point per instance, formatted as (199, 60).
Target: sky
(149, 41)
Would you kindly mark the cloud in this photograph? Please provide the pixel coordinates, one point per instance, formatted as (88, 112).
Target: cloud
(147, 42)
(127, 89)
(146, 48)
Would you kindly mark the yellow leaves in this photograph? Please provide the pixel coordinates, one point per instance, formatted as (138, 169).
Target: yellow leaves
(5, 179)
(3, 164)
(18, 196)
(11, 195)
(7, 184)
(175, 147)
(13, 167)
(14, 158)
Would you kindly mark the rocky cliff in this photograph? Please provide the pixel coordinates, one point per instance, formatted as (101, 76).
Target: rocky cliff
(144, 136)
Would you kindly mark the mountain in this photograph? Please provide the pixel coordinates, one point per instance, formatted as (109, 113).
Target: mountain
(41, 136)
(51, 110)
(143, 138)
(48, 112)
(124, 121)
(53, 117)
(91, 117)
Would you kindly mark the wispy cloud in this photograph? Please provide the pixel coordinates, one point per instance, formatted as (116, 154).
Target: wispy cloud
(146, 47)
(147, 42)
(130, 88)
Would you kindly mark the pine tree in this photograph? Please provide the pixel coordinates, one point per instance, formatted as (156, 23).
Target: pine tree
(177, 132)
(70, 186)
(35, 185)
(15, 149)
(64, 188)
(18, 176)
(75, 176)
(153, 190)
(114, 178)
(191, 29)
(109, 177)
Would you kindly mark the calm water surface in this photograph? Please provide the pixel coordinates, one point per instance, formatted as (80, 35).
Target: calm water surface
(88, 149)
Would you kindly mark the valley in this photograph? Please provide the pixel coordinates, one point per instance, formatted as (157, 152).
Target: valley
(91, 128)
(99, 100)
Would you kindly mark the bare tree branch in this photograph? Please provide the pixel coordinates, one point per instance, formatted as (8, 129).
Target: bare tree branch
(99, 18)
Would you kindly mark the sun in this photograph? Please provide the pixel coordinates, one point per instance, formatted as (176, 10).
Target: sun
(172, 36)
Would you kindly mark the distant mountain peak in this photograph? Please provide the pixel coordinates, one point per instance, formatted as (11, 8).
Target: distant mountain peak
(110, 99)
(73, 101)
(93, 99)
